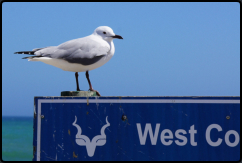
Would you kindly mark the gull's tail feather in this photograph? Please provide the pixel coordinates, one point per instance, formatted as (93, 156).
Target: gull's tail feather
(31, 57)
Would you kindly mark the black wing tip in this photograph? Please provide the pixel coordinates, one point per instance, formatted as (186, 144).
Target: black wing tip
(25, 52)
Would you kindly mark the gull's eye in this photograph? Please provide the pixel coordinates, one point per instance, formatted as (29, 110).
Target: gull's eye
(104, 32)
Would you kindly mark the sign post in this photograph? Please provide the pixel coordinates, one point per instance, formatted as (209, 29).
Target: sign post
(137, 128)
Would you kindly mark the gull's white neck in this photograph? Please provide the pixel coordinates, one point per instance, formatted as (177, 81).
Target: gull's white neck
(109, 41)
(112, 48)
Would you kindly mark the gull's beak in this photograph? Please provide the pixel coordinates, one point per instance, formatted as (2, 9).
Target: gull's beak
(117, 36)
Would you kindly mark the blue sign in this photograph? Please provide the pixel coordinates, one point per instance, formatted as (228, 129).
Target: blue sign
(137, 128)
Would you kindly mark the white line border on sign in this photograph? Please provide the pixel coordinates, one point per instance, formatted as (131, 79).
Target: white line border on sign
(139, 101)
(40, 101)
(38, 129)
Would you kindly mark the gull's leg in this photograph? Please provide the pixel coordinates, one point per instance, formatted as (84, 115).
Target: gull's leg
(90, 85)
(77, 84)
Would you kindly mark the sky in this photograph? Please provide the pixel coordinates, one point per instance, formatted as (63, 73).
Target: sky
(169, 49)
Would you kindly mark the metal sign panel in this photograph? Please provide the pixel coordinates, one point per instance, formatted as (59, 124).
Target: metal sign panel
(137, 128)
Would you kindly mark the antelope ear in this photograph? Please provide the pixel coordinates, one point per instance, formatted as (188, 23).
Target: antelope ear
(101, 142)
(81, 142)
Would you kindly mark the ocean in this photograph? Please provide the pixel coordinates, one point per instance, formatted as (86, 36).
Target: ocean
(17, 138)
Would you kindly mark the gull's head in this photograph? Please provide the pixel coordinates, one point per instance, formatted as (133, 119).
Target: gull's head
(106, 33)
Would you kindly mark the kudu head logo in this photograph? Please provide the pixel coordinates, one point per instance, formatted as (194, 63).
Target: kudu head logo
(83, 140)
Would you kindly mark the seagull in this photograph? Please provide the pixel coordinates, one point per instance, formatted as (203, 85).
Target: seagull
(78, 55)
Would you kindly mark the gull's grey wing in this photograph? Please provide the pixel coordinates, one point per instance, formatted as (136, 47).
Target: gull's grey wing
(84, 51)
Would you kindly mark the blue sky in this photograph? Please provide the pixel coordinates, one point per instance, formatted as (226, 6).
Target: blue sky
(169, 49)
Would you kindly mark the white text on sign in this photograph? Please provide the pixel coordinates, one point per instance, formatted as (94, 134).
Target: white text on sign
(166, 135)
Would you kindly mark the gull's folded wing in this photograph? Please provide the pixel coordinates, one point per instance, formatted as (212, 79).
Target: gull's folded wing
(84, 51)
